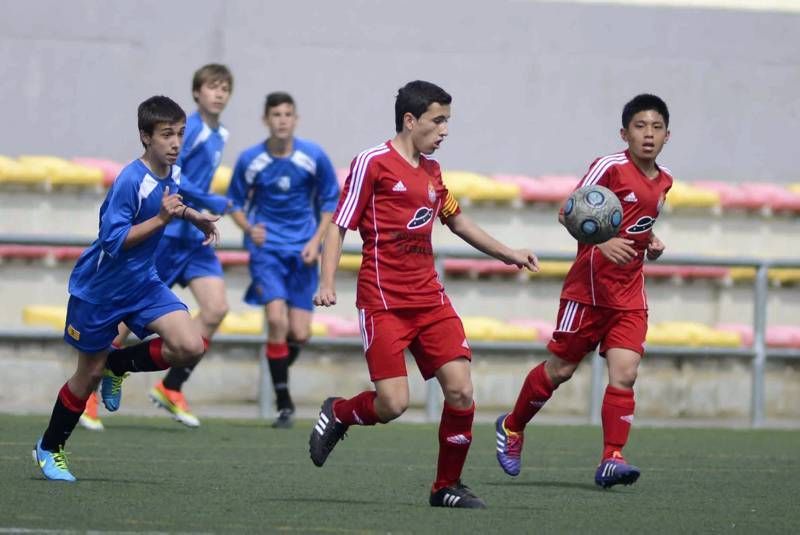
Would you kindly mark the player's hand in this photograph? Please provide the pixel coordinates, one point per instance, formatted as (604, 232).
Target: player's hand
(310, 252)
(206, 223)
(258, 233)
(618, 250)
(171, 206)
(325, 297)
(523, 258)
(655, 248)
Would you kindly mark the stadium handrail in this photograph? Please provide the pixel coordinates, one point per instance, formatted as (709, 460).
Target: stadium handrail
(758, 352)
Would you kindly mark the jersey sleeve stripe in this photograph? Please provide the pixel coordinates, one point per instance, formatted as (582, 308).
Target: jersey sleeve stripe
(356, 184)
(599, 169)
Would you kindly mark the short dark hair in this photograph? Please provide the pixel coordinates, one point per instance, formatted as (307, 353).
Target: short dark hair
(644, 102)
(275, 99)
(211, 73)
(158, 109)
(415, 97)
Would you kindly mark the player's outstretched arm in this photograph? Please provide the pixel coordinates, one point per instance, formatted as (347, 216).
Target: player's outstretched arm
(470, 232)
(204, 222)
(331, 252)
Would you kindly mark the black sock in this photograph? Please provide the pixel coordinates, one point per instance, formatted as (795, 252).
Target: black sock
(176, 377)
(294, 350)
(135, 358)
(62, 422)
(279, 369)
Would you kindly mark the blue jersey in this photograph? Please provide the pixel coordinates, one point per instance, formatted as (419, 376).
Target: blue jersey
(106, 272)
(199, 158)
(285, 194)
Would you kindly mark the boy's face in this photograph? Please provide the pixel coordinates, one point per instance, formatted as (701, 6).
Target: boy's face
(165, 143)
(213, 96)
(281, 121)
(428, 132)
(645, 135)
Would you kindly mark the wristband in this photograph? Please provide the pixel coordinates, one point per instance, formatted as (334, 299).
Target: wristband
(183, 214)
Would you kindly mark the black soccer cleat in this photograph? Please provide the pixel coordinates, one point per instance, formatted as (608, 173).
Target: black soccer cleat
(326, 433)
(458, 495)
(285, 419)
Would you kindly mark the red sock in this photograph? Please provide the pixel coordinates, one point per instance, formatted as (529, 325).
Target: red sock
(359, 410)
(617, 416)
(156, 355)
(536, 390)
(71, 401)
(455, 436)
(277, 350)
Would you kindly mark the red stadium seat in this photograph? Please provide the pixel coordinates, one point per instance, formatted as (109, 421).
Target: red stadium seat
(478, 267)
(731, 195)
(67, 253)
(543, 327)
(685, 272)
(549, 188)
(783, 336)
(233, 258)
(24, 252)
(338, 327)
(773, 195)
(109, 168)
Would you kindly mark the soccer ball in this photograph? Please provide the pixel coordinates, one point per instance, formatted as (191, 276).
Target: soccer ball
(593, 214)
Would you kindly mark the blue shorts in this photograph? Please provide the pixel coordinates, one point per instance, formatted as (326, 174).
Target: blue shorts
(178, 261)
(281, 275)
(91, 327)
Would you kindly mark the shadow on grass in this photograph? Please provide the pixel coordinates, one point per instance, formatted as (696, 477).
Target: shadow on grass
(335, 501)
(545, 484)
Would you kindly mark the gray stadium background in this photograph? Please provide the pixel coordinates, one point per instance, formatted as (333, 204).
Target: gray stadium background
(538, 87)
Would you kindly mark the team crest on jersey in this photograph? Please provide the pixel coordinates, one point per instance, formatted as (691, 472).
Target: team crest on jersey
(284, 183)
(431, 193)
(421, 218)
(643, 224)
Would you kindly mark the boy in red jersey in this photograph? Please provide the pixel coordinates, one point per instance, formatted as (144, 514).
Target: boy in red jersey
(392, 196)
(603, 300)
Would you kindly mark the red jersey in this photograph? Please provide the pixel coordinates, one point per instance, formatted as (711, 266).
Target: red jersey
(595, 280)
(393, 205)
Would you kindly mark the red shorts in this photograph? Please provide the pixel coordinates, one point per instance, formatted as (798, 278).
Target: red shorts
(435, 336)
(580, 327)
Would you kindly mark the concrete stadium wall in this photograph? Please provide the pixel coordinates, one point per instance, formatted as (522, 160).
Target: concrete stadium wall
(538, 87)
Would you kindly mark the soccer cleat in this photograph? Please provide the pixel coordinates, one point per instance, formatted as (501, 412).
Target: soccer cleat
(174, 402)
(89, 419)
(53, 465)
(615, 471)
(509, 447)
(458, 495)
(285, 419)
(111, 389)
(326, 433)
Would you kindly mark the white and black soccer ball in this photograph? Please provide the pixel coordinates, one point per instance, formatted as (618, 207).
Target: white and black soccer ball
(593, 214)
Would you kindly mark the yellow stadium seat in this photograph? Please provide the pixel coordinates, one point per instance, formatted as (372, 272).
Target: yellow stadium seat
(684, 195)
(484, 328)
(318, 329)
(686, 333)
(794, 188)
(476, 187)
(552, 269)
(15, 172)
(350, 262)
(249, 322)
(738, 274)
(661, 335)
(516, 333)
(221, 180)
(63, 172)
(47, 315)
(784, 275)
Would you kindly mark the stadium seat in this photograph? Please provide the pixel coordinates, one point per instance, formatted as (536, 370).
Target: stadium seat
(543, 327)
(556, 269)
(61, 172)
(45, 315)
(66, 253)
(221, 180)
(23, 252)
(686, 272)
(685, 333)
(731, 195)
(744, 330)
(783, 336)
(684, 195)
(248, 322)
(484, 328)
(795, 188)
(476, 187)
(109, 168)
(478, 267)
(350, 262)
(549, 188)
(233, 258)
(784, 275)
(15, 172)
(774, 196)
(338, 327)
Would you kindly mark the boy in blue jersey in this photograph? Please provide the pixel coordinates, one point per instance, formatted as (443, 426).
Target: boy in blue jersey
(115, 281)
(181, 256)
(284, 191)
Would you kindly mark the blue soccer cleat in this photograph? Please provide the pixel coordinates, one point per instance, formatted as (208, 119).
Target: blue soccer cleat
(111, 389)
(615, 471)
(509, 447)
(53, 465)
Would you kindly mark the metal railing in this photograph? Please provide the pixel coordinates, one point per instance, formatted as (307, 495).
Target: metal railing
(758, 353)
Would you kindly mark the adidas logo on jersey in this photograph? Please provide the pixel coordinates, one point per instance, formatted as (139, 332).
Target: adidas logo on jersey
(630, 197)
(399, 186)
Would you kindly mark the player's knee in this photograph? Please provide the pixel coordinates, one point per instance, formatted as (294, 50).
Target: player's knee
(459, 396)
(389, 408)
(277, 325)
(560, 370)
(188, 350)
(215, 313)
